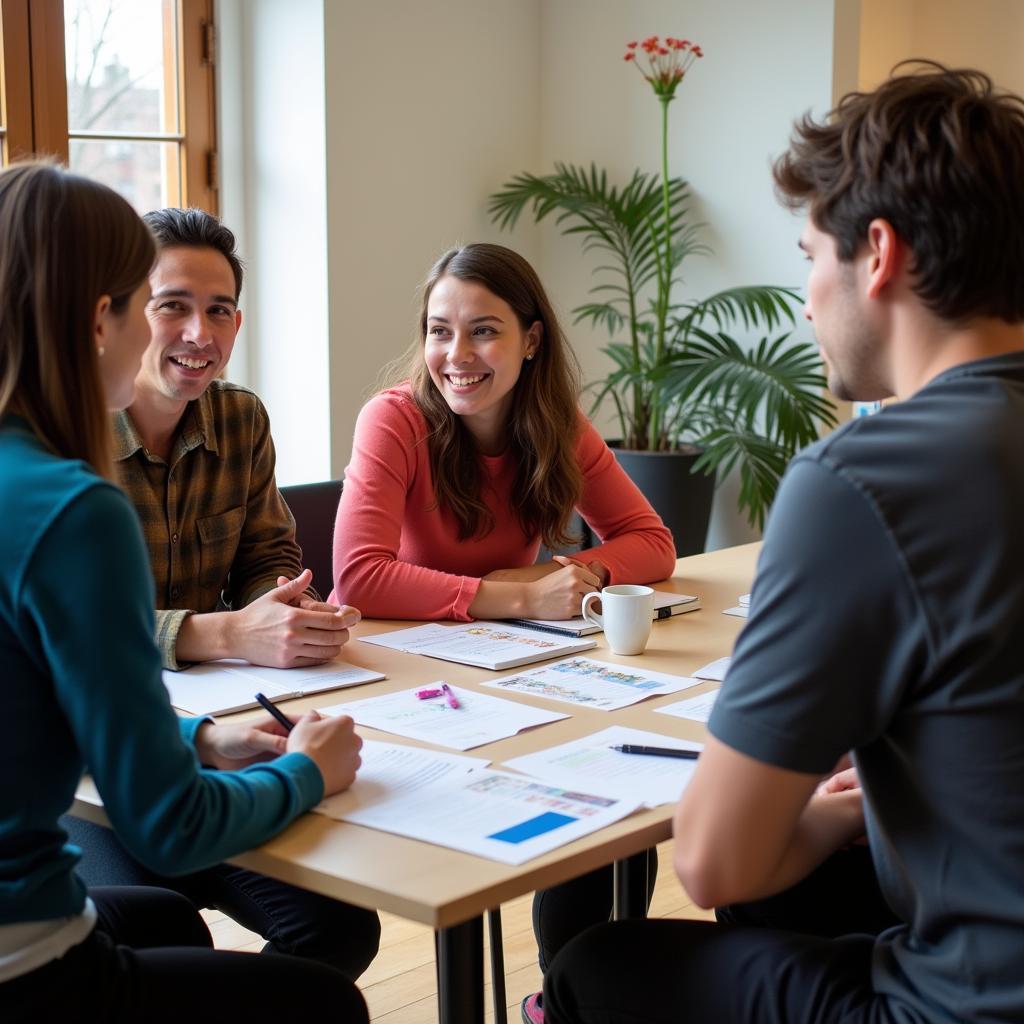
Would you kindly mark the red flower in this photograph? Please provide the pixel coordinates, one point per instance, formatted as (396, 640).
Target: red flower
(666, 64)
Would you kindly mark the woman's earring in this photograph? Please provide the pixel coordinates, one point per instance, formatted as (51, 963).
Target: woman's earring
(529, 357)
(100, 350)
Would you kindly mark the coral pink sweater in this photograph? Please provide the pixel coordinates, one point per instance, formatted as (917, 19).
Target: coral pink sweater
(397, 557)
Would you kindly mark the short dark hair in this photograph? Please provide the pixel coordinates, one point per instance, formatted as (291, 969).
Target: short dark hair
(198, 229)
(938, 153)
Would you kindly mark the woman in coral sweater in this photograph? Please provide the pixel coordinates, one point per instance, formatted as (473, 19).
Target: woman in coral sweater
(462, 470)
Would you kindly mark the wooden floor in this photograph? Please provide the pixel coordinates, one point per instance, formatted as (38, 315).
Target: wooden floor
(400, 986)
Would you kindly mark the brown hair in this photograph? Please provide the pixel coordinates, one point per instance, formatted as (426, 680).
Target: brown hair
(67, 241)
(196, 229)
(544, 423)
(938, 153)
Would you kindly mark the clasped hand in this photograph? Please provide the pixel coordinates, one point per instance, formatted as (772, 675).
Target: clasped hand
(286, 629)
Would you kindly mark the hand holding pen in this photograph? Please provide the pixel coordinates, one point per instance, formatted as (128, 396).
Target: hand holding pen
(332, 744)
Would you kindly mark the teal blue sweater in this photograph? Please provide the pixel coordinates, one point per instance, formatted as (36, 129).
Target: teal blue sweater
(80, 685)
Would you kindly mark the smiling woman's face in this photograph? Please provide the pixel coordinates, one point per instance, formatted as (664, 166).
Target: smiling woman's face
(474, 350)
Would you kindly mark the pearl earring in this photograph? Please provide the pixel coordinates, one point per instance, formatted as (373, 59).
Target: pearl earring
(529, 357)
(100, 350)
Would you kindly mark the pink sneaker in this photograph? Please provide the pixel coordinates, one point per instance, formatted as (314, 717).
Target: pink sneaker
(532, 1009)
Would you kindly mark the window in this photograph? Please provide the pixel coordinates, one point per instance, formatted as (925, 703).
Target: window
(121, 90)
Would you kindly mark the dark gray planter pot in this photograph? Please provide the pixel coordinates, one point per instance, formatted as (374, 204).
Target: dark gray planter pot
(681, 498)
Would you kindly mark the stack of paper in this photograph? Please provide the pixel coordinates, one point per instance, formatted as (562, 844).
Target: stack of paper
(593, 684)
(742, 609)
(697, 709)
(486, 644)
(477, 720)
(591, 763)
(220, 687)
(453, 801)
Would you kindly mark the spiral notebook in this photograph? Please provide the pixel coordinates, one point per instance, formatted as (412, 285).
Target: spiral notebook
(665, 606)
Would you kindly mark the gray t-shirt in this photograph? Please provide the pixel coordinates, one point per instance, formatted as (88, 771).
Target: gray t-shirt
(888, 618)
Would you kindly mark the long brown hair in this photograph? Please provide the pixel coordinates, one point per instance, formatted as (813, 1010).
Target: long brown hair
(67, 241)
(544, 423)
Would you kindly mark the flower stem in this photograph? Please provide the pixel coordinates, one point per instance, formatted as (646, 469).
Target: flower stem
(665, 278)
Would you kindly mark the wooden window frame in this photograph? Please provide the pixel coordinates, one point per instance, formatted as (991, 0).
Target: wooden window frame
(35, 98)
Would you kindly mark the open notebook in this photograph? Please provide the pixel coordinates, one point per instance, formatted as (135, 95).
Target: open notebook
(665, 606)
(220, 687)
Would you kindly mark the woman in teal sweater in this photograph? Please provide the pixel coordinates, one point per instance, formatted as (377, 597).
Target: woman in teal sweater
(80, 675)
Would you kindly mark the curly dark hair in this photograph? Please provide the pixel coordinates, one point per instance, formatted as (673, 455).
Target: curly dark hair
(939, 154)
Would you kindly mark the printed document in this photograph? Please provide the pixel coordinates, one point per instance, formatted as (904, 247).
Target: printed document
(494, 814)
(479, 718)
(592, 684)
(591, 763)
(220, 687)
(698, 708)
(486, 644)
(714, 670)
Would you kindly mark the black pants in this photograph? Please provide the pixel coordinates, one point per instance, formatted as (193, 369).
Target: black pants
(292, 920)
(564, 911)
(803, 955)
(679, 971)
(841, 897)
(149, 959)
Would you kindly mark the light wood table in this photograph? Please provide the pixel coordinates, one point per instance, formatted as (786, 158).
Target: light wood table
(448, 890)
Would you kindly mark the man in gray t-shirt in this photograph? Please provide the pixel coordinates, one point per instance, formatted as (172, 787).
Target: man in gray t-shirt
(887, 619)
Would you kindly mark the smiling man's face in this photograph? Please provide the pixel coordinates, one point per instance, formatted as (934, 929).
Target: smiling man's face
(194, 317)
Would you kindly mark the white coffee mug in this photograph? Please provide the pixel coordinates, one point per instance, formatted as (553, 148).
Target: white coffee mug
(628, 616)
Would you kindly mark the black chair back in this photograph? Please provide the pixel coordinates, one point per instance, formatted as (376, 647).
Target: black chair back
(315, 507)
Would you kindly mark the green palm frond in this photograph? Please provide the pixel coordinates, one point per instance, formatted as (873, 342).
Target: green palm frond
(676, 371)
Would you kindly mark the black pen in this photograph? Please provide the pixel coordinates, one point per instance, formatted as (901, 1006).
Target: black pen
(634, 748)
(279, 715)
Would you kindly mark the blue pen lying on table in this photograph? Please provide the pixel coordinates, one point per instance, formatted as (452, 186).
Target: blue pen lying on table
(271, 710)
(635, 748)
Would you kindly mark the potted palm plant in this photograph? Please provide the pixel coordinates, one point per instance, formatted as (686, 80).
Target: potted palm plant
(691, 400)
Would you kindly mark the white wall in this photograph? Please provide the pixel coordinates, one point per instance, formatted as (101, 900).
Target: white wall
(429, 106)
(274, 196)
(765, 64)
(375, 132)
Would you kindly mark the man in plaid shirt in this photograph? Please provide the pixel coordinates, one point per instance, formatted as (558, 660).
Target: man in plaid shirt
(195, 455)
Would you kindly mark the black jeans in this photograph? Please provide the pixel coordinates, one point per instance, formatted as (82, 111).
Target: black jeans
(670, 972)
(840, 897)
(149, 959)
(564, 911)
(292, 920)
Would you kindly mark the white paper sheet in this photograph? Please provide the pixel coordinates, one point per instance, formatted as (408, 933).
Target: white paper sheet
(696, 708)
(486, 644)
(491, 813)
(479, 719)
(589, 763)
(741, 611)
(220, 687)
(714, 670)
(388, 767)
(593, 684)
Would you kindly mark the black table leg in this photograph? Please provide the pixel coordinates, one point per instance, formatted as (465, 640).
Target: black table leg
(497, 965)
(460, 972)
(631, 887)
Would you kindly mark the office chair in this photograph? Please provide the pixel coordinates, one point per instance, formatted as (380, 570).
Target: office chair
(314, 507)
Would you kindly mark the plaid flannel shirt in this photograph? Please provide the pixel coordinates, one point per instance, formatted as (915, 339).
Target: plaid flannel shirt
(218, 531)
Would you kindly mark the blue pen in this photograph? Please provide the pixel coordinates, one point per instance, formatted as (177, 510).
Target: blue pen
(271, 710)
